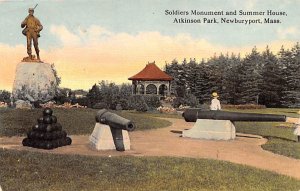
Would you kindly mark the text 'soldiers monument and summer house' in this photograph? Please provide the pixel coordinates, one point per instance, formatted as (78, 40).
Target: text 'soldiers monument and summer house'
(35, 80)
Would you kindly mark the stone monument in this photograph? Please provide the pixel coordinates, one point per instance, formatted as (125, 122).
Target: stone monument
(102, 138)
(34, 80)
(111, 132)
(211, 130)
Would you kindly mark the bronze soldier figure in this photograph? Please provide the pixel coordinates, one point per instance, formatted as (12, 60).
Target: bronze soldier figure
(32, 32)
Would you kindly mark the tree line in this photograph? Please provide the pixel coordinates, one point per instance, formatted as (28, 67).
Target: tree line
(258, 78)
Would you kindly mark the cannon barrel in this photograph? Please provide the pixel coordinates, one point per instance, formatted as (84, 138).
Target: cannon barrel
(116, 124)
(113, 120)
(191, 115)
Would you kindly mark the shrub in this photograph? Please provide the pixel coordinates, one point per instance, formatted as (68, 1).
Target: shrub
(113, 104)
(124, 103)
(100, 105)
(152, 101)
(177, 102)
(245, 106)
(5, 96)
(189, 100)
(138, 103)
(119, 107)
(84, 101)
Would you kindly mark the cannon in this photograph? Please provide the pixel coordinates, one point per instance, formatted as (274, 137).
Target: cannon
(191, 115)
(219, 125)
(116, 124)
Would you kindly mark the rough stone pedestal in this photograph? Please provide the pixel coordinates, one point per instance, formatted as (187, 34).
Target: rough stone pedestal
(211, 129)
(101, 138)
(34, 81)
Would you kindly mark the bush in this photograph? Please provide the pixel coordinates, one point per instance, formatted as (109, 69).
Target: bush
(100, 105)
(177, 102)
(245, 106)
(119, 107)
(124, 104)
(152, 101)
(191, 100)
(84, 101)
(188, 100)
(138, 103)
(5, 96)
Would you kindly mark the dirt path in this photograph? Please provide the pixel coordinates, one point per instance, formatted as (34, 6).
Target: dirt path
(245, 149)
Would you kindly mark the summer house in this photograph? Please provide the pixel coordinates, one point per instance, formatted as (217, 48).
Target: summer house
(151, 80)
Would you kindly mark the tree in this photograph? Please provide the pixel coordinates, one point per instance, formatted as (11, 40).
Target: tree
(289, 62)
(271, 87)
(202, 88)
(232, 80)
(94, 95)
(251, 78)
(5, 96)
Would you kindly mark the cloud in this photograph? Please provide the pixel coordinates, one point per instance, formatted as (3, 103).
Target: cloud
(246, 4)
(287, 32)
(250, 4)
(88, 55)
(67, 38)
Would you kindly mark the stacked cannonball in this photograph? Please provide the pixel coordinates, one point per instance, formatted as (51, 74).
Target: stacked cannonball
(47, 134)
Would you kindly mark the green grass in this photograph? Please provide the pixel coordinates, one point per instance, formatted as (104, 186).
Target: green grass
(82, 121)
(280, 140)
(267, 129)
(283, 147)
(16, 122)
(20, 170)
(289, 112)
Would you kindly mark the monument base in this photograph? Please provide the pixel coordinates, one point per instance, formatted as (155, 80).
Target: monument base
(211, 130)
(34, 81)
(102, 139)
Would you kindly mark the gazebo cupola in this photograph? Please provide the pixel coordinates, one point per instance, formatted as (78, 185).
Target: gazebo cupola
(151, 80)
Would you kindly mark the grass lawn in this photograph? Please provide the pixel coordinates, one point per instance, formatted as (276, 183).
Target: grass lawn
(281, 140)
(283, 147)
(74, 121)
(289, 112)
(20, 170)
(82, 121)
(280, 135)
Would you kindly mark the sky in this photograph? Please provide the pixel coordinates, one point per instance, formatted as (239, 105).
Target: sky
(90, 41)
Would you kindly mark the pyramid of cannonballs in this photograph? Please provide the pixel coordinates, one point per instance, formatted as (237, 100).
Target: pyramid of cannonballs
(47, 134)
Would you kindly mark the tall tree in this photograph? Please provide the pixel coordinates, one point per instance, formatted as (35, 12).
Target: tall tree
(251, 78)
(202, 86)
(94, 95)
(285, 61)
(271, 87)
(232, 80)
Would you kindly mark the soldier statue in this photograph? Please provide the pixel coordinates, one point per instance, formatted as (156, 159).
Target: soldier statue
(32, 32)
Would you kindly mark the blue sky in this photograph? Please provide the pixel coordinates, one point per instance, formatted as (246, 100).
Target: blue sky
(80, 36)
(133, 16)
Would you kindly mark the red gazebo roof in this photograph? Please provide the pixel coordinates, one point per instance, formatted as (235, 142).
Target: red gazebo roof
(151, 72)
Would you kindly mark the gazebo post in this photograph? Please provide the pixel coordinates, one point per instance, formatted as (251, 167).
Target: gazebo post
(169, 88)
(132, 87)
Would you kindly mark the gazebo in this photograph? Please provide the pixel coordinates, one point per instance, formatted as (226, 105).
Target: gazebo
(151, 81)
